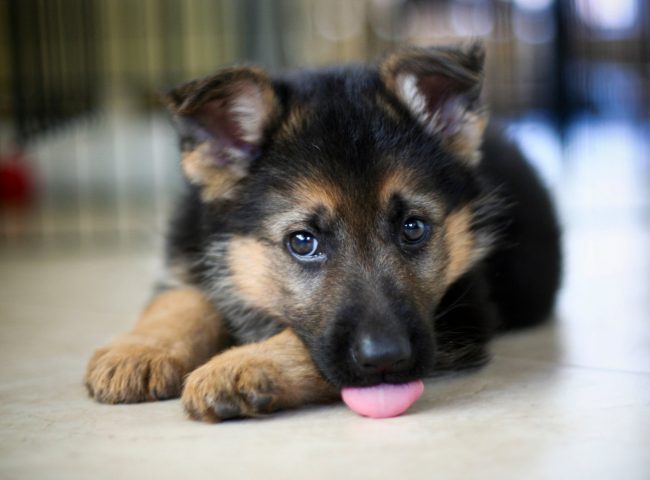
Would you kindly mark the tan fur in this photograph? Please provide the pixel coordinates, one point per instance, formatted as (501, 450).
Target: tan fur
(249, 262)
(461, 244)
(311, 194)
(254, 379)
(467, 142)
(178, 331)
(401, 181)
(216, 182)
(397, 181)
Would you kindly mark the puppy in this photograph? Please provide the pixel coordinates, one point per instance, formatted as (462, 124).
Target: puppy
(341, 227)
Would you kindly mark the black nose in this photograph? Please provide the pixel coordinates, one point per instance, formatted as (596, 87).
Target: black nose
(376, 353)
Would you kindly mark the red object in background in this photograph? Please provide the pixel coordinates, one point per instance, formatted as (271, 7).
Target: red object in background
(16, 180)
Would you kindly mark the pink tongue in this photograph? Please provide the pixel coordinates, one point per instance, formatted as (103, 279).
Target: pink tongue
(383, 400)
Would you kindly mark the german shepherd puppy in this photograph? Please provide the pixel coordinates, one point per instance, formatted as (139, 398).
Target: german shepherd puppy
(342, 227)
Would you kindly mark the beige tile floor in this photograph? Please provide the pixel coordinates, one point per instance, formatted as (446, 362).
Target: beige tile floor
(570, 400)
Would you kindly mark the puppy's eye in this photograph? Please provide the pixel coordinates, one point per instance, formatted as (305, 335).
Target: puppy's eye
(414, 231)
(303, 245)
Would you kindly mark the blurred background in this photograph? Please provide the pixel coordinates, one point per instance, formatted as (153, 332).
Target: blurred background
(89, 159)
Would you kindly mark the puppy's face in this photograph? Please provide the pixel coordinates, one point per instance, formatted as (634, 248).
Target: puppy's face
(347, 199)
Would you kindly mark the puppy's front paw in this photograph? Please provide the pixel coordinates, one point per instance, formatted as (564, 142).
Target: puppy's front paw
(134, 373)
(234, 385)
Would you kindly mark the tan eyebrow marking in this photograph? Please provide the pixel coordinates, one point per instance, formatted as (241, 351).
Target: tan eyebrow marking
(461, 243)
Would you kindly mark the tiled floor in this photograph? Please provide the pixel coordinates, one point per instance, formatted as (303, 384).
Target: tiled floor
(568, 401)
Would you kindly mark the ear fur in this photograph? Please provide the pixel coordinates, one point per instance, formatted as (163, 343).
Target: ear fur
(441, 87)
(222, 121)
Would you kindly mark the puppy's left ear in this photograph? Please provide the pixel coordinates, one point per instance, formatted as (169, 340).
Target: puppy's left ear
(441, 87)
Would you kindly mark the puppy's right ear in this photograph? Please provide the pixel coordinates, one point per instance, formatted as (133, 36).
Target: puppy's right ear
(222, 121)
(441, 87)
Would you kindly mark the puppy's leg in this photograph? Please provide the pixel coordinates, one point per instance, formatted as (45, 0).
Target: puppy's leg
(177, 332)
(257, 378)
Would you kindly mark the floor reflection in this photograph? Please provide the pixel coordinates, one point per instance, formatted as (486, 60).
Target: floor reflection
(601, 179)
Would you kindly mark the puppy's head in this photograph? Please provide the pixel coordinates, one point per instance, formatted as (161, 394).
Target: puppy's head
(344, 200)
